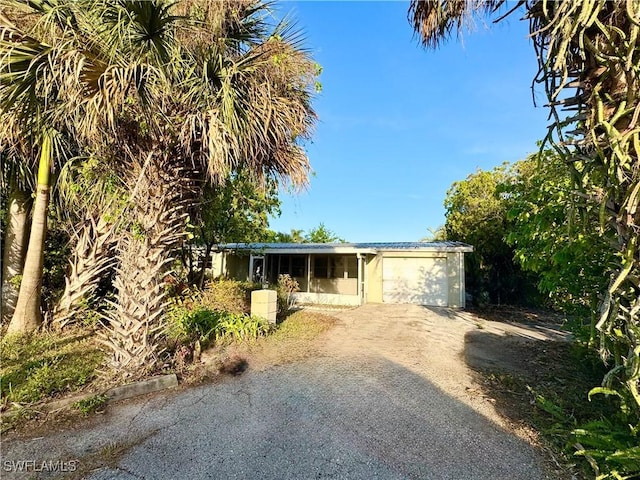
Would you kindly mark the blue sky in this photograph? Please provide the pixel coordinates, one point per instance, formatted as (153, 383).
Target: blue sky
(398, 124)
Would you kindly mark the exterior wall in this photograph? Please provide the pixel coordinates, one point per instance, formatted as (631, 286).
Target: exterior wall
(237, 267)
(341, 286)
(326, 298)
(455, 271)
(217, 264)
(373, 278)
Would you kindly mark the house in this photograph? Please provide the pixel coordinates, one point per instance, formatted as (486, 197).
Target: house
(423, 273)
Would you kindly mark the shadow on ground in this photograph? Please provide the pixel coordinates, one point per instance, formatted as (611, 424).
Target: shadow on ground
(356, 418)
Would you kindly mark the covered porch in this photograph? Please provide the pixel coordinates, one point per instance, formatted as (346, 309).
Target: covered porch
(324, 277)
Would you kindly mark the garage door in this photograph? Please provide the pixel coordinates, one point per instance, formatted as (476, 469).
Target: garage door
(421, 281)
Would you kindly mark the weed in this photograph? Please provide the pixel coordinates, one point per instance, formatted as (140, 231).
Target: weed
(285, 288)
(91, 404)
(37, 366)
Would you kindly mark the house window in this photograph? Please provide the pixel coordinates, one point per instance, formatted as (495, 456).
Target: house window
(351, 266)
(321, 267)
(284, 265)
(298, 266)
(343, 266)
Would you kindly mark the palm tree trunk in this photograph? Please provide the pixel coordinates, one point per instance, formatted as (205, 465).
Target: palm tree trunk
(91, 259)
(15, 248)
(28, 316)
(157, 226)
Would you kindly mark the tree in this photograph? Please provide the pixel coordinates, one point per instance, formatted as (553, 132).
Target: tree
(165, 91)
(236, 211)
(588, 54)
(321, 234)
(555, 239)
(476, 213)
(27, 315)
(438, 234)
(16, 205)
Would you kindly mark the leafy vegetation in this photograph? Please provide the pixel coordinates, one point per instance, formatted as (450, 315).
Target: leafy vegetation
(533, 213)
(587, 55)
(562, 243)
(218, 101)
(319, 234)
(476, 213)
(39, 366)
(236, 211)
(217, 313)
(91, 404)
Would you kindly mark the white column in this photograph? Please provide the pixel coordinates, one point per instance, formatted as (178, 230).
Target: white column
(250, 279)
(360, 296)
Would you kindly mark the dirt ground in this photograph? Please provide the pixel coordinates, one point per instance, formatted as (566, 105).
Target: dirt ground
(449, 347)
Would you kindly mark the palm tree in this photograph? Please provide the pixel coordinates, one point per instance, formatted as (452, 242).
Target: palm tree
(166, 90)
(588, 53)
(16, 191)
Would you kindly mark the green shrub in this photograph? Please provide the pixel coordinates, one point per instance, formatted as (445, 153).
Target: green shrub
(611, 445)
(203, 325)
(187, 324)
(226, 295)
(242, 327)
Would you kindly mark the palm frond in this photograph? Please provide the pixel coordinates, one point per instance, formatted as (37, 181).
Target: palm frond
(435, 21)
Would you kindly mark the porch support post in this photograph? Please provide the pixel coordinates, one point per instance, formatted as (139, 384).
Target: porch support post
(360, 296)
(309, 273)
(250, 277)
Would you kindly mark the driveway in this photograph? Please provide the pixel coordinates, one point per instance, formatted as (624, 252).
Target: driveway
(388, 397)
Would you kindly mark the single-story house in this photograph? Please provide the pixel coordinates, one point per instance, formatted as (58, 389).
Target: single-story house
(423, 273)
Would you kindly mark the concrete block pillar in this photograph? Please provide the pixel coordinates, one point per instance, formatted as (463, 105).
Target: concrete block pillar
(264, 304)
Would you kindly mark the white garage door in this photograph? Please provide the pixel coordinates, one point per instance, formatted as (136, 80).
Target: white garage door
(421, 281)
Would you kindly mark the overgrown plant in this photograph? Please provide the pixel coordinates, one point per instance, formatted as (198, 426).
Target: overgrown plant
(285, 288)
(588, 54)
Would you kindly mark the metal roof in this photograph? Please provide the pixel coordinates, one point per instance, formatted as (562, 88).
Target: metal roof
(345, 248)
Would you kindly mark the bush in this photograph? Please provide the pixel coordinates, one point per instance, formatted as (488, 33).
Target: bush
(202, 325)
(226, 295)
(285, 287)
(189, 324)
(242, 327)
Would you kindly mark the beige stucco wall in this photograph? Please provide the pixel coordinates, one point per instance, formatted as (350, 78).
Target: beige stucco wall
(342, 286)
(373, 277)
(455, 262)
(237, 267)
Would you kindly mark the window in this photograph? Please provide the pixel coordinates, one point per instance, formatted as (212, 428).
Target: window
(298, 266)
(320, 267)
(284, 264)
(344, 266)
(352, 266)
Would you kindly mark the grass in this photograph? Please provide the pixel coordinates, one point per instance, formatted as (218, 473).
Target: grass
(90, 405)
(36, 367)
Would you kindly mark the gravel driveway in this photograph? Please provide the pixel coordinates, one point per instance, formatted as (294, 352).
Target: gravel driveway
(388, 397)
